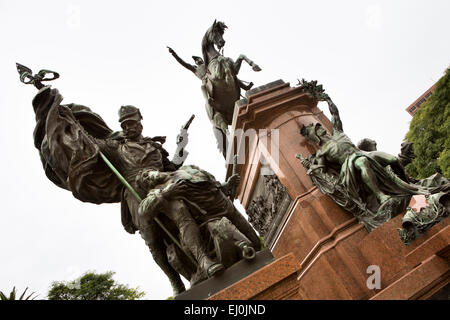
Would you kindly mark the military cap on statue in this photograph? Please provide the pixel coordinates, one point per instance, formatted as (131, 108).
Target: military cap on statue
(129, 113)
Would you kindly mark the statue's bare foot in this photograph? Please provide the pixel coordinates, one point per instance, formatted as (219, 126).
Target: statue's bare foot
(407, 234)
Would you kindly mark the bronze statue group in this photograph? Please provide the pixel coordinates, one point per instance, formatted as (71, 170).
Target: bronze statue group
(185, 216)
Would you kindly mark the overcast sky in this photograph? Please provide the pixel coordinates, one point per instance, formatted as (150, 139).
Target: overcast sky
(374, 58)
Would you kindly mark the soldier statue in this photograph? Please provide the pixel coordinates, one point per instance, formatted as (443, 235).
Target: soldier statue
(76, 146)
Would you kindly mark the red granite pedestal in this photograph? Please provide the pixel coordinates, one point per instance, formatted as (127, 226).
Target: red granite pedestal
(276, 281)
(333, 249)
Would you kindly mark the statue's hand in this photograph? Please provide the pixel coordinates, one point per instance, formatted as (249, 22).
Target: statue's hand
(149, 206)
(182, 138)
(317, 168)
(171, 50)
(323, 97)
(231, 184)
(180, 153)
(234, 180)
(256, 68)
(305, 162)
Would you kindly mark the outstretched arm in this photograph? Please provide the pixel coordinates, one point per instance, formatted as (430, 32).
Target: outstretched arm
(335, 118)
(181, 61)
(317, 92)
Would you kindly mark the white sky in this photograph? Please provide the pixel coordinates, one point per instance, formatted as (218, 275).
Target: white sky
(374, 58)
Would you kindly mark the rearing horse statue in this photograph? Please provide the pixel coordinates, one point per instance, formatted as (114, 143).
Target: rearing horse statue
(221, 87)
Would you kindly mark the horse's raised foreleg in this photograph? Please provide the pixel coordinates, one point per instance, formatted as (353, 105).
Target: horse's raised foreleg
(237, 64)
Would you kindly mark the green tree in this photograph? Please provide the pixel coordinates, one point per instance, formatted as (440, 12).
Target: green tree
(93, 286)
(430, 132)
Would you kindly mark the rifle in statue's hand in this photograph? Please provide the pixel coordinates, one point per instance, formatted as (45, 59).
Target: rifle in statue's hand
(27, 77)
(182, 140)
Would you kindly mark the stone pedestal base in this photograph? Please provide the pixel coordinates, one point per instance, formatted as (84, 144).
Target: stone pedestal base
(233, 274)
(429, 267)
(276, 281)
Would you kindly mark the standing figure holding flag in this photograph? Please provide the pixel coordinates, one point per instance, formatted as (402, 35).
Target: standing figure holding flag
(168, 203)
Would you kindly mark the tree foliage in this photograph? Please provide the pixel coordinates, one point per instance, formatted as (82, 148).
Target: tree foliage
(430, 132)
(13, 295)
(93, 286)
